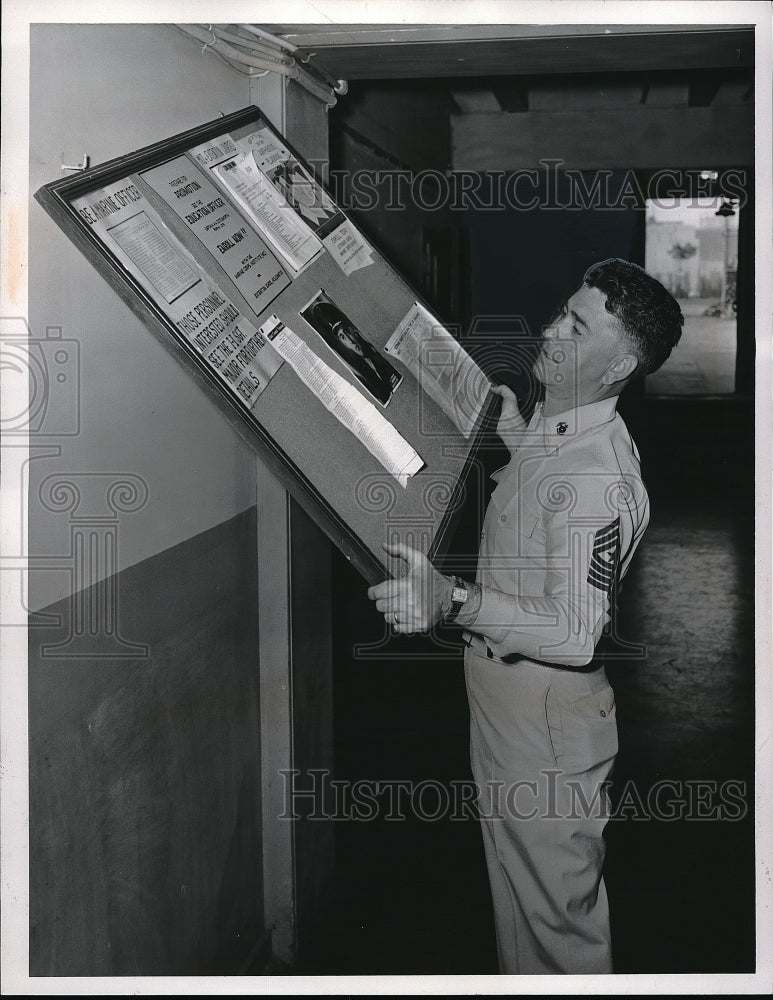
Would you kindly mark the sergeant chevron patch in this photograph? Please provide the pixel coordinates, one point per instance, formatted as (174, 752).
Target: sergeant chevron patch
(606, 552)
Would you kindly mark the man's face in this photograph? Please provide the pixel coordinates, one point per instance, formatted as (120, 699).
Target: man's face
(347, 337)
(578, 347)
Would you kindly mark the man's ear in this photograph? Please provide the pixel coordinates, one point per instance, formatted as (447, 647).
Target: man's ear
(620, 368)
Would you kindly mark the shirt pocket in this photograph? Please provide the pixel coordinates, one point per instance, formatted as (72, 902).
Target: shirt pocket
(524, 535)
(517, 525)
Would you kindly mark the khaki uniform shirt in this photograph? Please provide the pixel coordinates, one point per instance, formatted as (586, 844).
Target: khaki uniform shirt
(561, 527)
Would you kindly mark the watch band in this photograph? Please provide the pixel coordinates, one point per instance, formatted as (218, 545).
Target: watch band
(459, 596)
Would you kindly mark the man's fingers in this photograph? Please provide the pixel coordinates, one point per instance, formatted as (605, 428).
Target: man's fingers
(404, 597)
(505, 392)
(389, 604)
(387, 588)
(405, 614)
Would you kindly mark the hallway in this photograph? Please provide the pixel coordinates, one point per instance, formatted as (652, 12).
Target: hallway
(412, 895)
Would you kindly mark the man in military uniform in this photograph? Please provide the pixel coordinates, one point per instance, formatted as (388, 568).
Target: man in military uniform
(559, 533)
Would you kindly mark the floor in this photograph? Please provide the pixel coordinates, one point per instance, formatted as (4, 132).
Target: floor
(411, 895)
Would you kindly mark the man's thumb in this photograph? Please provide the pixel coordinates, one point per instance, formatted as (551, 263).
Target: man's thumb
(402, 551)
(505, 392)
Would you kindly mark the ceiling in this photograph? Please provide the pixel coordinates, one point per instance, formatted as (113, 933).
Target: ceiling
(581, 89)
(359, 52)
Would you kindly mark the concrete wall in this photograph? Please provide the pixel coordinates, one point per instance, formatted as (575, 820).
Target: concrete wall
(108, 90)
(146, 830)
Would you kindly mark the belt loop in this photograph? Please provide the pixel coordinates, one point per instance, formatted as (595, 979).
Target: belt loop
(475, 642)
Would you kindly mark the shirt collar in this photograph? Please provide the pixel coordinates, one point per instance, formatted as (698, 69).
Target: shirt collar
(568, 425)
(545, 435)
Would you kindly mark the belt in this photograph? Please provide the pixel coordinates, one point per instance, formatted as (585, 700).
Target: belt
(479, 644)
(482, 648)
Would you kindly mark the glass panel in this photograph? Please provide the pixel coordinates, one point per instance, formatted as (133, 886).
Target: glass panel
(692, 247)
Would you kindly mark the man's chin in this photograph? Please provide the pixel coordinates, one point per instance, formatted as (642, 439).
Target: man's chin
(538, 370)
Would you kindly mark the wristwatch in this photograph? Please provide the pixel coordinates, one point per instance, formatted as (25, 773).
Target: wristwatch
(459, 596)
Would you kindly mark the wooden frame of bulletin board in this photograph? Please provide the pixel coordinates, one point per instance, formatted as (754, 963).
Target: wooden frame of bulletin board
(320, 355)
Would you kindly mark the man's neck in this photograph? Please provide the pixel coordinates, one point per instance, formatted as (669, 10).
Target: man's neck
(553, 405)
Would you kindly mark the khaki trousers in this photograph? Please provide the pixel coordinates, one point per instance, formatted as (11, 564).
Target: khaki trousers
(542, 744)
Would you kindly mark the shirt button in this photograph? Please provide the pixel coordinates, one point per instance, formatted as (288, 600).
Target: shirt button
(603, 714)
(562, 428)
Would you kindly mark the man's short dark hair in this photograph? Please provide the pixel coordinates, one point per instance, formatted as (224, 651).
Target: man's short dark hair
(648, 314)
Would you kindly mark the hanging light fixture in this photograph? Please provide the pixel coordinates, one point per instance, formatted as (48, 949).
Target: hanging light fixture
(727, 207)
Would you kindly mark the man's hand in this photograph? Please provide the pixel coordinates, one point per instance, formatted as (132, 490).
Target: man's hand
(414, 602)
(511, 425)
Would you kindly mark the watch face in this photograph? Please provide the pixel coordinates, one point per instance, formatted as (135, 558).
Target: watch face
(458, 595)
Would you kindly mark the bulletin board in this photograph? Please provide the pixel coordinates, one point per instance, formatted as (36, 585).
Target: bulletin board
(315, 349)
